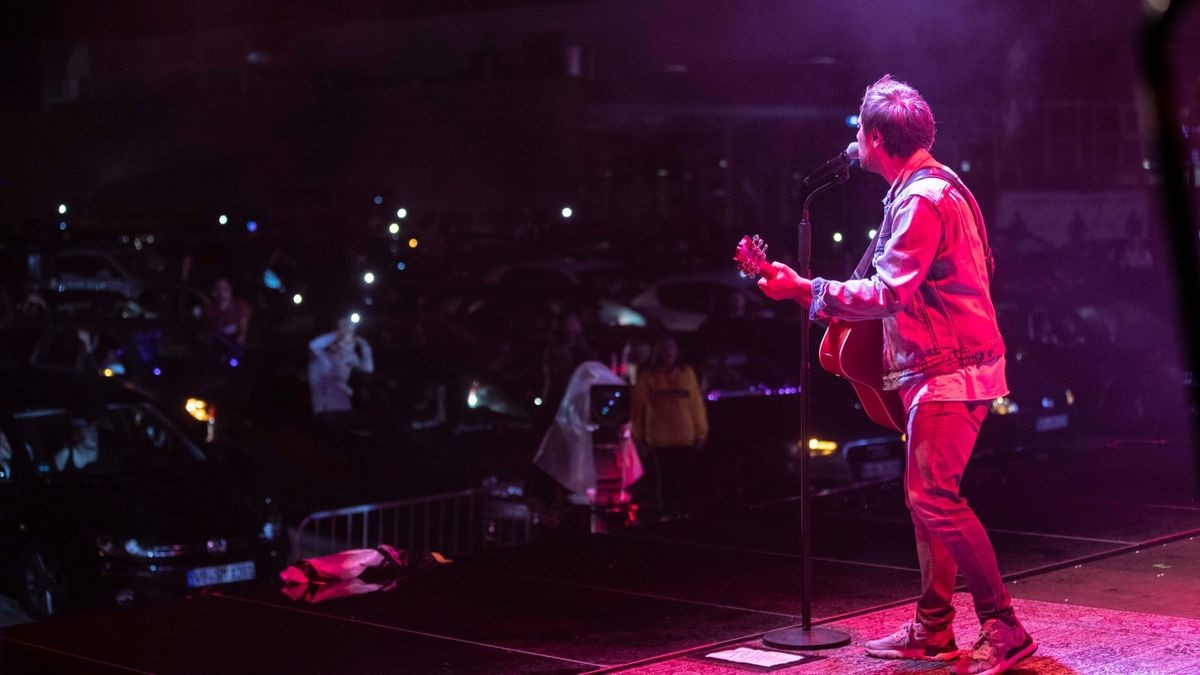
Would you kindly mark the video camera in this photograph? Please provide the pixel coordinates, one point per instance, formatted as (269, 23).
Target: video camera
(608, 404)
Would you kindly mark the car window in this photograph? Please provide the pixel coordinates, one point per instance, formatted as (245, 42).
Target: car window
(69, 302)
(532, 277)
(684, 297)
(745, 373)
(110, 357)
(171, 303)
(118, 440)
(183, 352)
(62, 348)
(91, 267)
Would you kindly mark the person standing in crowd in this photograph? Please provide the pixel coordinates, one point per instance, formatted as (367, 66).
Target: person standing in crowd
(943, 353)
(226, 315)
(669, 421)
(333, 358)
(565, 350)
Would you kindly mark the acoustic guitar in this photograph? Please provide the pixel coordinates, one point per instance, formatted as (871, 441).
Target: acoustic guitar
(852, 350)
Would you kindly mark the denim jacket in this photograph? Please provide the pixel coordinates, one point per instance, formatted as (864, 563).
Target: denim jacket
(930, 287)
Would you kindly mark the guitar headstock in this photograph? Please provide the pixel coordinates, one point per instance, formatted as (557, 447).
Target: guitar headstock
(751, 256)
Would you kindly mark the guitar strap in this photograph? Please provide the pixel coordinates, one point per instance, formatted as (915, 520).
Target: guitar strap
(950, 177)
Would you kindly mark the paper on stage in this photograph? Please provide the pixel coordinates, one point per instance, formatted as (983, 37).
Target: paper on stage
(757, 657)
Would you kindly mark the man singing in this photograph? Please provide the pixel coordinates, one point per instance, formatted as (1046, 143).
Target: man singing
(943, 352)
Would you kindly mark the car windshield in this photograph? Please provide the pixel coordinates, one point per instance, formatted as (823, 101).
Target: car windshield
(118, 440)
(184, 352)
(744, 374)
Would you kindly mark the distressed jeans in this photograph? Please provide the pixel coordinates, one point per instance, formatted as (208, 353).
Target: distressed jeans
(950, 538)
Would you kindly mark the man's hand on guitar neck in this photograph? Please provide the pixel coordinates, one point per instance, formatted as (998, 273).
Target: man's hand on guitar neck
(785, 284)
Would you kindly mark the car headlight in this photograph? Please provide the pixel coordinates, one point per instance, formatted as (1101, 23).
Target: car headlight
(199, 409)
(1004, 406)
(818, 447)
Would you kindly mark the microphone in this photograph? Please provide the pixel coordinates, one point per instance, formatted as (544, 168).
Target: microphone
(833, 167)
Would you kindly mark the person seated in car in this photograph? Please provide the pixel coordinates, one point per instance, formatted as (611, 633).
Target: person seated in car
(227, 316)
(82, 448)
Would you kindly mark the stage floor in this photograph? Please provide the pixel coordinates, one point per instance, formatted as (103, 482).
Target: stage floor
(1131, 614)
(1107, 581)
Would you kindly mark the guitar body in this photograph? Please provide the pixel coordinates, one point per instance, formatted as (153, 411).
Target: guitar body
(854, 350)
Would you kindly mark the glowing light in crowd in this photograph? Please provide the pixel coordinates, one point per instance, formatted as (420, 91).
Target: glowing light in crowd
(369, 278)
(355, 317)
(378, 200)
(852, 121)
(394, 228)
(62, 209)
(62, 227)
(537, 400)
(157, 371)
(233, 363)
(965, 166)
(837, 237)
(198, 408)
(223, 219)
(401, 266)
(252, 226)
(567, 212)
(413, 243)
(401, 213)
(871, 234)
(297, 299)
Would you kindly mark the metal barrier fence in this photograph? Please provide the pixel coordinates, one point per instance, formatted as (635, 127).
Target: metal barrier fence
(454, 524)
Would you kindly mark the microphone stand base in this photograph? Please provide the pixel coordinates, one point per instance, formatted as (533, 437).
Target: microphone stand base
(806, 638)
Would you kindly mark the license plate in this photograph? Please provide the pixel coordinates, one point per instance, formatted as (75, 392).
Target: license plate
(220, 574)
(889, 469)
(1051, 422)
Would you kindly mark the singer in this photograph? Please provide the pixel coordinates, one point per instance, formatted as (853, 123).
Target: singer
(927, 276)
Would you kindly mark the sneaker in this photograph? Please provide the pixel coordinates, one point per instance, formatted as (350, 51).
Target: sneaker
(999, 647)
(915, 641)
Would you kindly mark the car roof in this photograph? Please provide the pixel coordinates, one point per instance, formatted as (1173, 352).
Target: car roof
(722, 277)
(25, 388)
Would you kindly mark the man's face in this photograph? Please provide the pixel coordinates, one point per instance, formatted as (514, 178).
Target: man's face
(222, 291)
(868, 155)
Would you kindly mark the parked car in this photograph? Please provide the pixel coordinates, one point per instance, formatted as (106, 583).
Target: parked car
(103, 501)
(608, 279)
(683, 303)
(187, 372)
(164, 302)
(90, 270)
(753, 407)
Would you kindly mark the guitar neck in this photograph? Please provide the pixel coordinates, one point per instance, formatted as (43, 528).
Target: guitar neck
(765, 268)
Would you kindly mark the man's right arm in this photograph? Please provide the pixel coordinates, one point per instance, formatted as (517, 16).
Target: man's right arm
(900, 269)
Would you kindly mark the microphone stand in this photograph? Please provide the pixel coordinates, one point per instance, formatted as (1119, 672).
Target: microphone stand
(805, 636)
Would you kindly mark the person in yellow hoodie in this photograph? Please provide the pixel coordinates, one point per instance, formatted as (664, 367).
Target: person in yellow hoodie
(670, 424)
